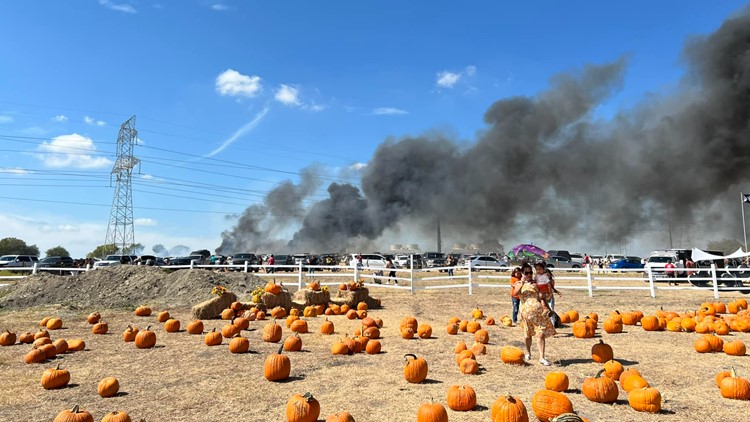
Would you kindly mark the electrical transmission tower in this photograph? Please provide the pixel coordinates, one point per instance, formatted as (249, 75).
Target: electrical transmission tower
(120, 228)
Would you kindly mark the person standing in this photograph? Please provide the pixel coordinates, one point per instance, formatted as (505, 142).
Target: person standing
(392, 273)
(271, 262)
(534, 311)
(669, 271)
(450, 263)
(515, 277)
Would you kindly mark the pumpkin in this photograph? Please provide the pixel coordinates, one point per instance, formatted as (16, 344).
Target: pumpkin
(7, 338)
(42, 341)
(320, 309)
(108, 387)
(468, 366)
(142, 311)
(230, 330)
(466, 354)
(326, 327)
(490, 321)
(302, 408)
(650, 323)
(556, 381)
(478, 349)
(129, 334)
(213, 338)
(734, 387)
(260, 315)
(645, 400)
(43, 322)
(340, 417)
(688, 324)
(290, 319)
(632, 382)
(613, 369)
(35, 355)
(372, 333)
(462, 326)
(547, 404)
(26, 338)
(573, 315)
(415, 369)
(512, 355)
(583, 330)
(339, 348)
(145, 339)
(272, 287)
(242, 323)
(461, 398)
(74, 415)
(272, 332)
(49, 350)
(117, 416)
(344, 309)
(293, 343)
(76, 345)
(631, 318)
(195, 327)
(482, 336)
(509, 409)
(277, 366)
(239, 344)
(601, 352)
(473, 326)
(612, 326)
(735, 348)
(626, 373)
(720, 376)
(54, 324)
(702, 345)
(410, 322)
(452, 329)
(351, 314)
(460, 347)
(424, 331)
(717, 344)
(93, 318)
(600, 389)
(163, 316)
(172, 325)
(61, 345)
(41, 333)
(407, 333)
(311, 312)
(432, 412)
(373, 347)
(299, 326)
(55, 378)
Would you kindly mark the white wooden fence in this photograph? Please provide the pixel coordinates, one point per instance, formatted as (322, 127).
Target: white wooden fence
(413, 280)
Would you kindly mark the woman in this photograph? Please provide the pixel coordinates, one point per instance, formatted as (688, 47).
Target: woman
(515, 277)
(534, 313)
(545, 283)
(392, 273)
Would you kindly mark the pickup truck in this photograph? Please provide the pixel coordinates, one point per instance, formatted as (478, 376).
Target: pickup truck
(14, 261)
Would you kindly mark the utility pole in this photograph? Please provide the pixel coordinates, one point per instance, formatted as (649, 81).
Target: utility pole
(439, 237)
(120, 231)
(669, 225)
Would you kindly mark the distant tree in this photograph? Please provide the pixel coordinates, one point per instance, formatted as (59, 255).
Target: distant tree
(103, 250)
(14, 246)
(134, 249)
(57, 251)
(727, 245)
(160, 250)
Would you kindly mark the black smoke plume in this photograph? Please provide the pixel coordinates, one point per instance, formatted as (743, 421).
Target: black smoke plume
(545, 166)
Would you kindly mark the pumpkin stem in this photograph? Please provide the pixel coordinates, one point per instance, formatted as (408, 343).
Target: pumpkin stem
(58, 367)
(280, 349)
(308, 397)
(599, 374)
(409, 354)
(732, 373)
(75, 409)
(148, 328)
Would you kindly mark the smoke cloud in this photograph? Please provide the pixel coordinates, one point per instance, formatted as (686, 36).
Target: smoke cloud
(546, 165)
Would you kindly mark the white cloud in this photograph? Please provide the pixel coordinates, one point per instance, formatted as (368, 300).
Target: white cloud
(219, 7)
(287, 95)
(357, 166)
(4, 118)
(93, 122)
(60, 118)
(15, 170)
(446, 79)
(316, 107)
(232, 82)
(59, 228)
(71, 151)
(118, 7)
(388, 111)
(144, 222)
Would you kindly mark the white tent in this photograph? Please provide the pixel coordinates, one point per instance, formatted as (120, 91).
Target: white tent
(738, 254)
(699, 255)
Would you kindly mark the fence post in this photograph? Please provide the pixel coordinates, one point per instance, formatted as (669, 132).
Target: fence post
(651, 282)
(471, 279)
(246, 265)
(299, 276)
(589, 280)
(411, 274)
(356, 272)
(33, 271)
(716, 281)
(192, 263)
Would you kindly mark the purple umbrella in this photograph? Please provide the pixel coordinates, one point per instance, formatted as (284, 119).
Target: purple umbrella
(526, 251)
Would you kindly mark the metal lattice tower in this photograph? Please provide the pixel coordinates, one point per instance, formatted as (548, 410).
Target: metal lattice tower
(120, 228)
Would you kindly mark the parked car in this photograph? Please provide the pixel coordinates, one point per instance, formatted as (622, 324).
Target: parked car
(561, 262)
(577, 258)
(284, 260)
(557, 252)
(150, 260)
(478, 262)
(114, 260)
(657, 263)
(631, 262)
(55, 262)
(434, 259)
(373, 261)
(8, 261)
(181, 260)
(249, 258)
(614, 257)
(403, 260)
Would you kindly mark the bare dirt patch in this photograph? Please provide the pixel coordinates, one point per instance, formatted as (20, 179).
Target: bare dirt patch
(184, 380)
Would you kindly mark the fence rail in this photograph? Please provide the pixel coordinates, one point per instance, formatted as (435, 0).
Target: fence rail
(464, 277)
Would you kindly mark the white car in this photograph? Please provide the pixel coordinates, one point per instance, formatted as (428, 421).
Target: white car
(657, 264)
(477, 262)
(113, 260)
(372, 261)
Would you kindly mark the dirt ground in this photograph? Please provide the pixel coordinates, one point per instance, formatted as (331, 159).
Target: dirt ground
(182, 379)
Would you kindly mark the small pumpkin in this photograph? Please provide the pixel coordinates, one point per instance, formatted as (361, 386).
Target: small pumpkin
(293, 343)
(163, 316)
(512, 355)
(53, 378)
(239, 344)
(61, 345)
(302, 408)
(117, 416)
(339, 348)
(108, 387)
(195, 327)
(326, 327)
(129, 334)
(613, 369)
(272, 332)
(547, 404)
(93, 318)
(76, 345)
(432, 412)
(735, 348)
(461, 398)
(213, 338)
(145, 339)
(468, 366)
(74, 415)
(142, 311)
(35, 355)
(100, 328)
(424, 331)
(509, 409)
(299, 326)
(556, 381)
(272, 287)
(600, 389)
(482, 336)
(415, 369)
(373, 347)
(54, 324)
(7, 338)
(645, 399)
(734, 387)
(601, 352)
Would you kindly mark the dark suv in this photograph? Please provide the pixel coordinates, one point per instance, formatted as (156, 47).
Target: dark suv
(242, 258)
(55, 262)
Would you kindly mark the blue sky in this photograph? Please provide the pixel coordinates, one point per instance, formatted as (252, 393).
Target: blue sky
(277, 85)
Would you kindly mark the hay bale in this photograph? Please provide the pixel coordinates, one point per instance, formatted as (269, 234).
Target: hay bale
(311, 298)
(283, 299)
(353, 297)
(212, 308)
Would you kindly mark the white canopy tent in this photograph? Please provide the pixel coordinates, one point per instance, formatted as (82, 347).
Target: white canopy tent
(699, 255)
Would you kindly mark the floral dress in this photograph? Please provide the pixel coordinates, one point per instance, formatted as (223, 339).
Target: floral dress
(533, 314)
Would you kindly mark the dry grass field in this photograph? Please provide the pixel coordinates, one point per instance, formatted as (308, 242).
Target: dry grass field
(182, 379)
